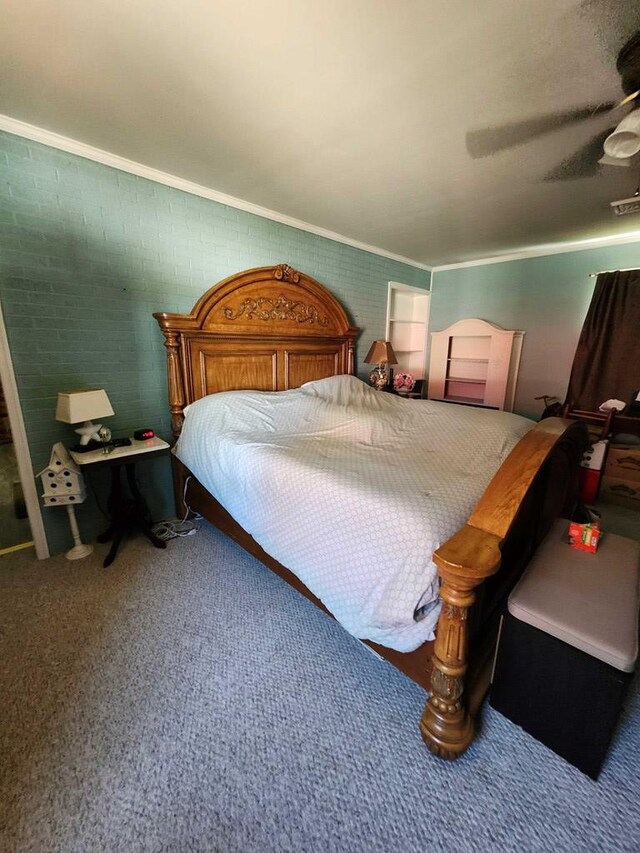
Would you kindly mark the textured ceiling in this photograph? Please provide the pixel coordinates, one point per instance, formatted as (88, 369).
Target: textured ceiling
(349, 114)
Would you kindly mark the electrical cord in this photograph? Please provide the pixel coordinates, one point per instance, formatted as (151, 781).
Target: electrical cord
(173, 528)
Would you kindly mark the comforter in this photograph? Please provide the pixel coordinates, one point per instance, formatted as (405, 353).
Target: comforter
(351, 489)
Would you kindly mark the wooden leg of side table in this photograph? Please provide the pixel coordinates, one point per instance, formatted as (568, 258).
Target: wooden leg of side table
(117, 539)
(127, 513)
(113, 503)
(141, 513)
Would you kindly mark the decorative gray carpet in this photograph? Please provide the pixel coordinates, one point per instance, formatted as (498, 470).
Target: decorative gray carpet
(189, 700)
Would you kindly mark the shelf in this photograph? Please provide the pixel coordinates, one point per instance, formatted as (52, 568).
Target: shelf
(473, 400)
(407, 325)
(460, 401)
(476, 363)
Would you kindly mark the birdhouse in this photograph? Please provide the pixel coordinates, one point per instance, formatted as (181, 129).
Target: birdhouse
(62, 482)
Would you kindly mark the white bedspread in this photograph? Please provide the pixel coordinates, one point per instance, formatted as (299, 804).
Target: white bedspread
(351, 489)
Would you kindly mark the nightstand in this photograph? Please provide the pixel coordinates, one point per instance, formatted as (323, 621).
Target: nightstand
(412, 395)
(126, 513)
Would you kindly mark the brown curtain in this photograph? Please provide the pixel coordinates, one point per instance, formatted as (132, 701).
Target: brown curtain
(607, 361)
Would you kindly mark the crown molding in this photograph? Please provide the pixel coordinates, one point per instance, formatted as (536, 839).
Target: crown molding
(97, 155)
(547, 249)
(81, 149)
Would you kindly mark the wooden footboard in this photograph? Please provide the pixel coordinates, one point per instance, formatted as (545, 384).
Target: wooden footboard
(535, 484)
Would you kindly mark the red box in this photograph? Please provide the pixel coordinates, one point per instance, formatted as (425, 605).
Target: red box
(584, 530)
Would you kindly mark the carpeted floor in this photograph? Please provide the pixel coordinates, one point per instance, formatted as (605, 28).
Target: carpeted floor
(189, 700)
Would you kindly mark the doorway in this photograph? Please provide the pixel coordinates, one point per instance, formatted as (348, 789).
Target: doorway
(408, 328)
(18, 494)
(15, 530)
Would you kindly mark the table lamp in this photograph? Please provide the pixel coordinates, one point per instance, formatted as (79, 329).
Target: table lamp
(380, 353)
(79, 407)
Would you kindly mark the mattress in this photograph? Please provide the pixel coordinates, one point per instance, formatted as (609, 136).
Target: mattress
(351, 489)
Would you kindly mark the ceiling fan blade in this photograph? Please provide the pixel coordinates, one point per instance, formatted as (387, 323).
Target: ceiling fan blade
(491, 140)
(583, 163)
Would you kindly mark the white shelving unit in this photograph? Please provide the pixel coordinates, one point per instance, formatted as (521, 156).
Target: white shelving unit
(475, 362)
(407, 327)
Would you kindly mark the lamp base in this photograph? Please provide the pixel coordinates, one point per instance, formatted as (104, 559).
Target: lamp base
(86, 448)
(79, 551)
(379, 378)
(88, 432)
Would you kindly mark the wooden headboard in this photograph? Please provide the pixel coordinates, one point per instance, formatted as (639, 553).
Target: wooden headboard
(268, 329)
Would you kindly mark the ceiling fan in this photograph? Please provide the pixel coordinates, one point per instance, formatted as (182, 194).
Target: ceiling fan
(618, 141)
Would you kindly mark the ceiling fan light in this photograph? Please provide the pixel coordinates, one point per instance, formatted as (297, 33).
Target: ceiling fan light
(625, 140)
(622, 145)
(606, 160)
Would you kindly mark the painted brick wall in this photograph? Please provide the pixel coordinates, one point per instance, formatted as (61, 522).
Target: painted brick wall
(88, 253)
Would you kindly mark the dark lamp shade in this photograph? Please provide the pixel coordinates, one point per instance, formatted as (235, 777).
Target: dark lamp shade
(381, 352)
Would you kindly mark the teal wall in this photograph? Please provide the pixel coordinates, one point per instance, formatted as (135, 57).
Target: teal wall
(547, 297)
(88, 253)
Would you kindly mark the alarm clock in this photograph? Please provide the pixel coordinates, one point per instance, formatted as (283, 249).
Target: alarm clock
(143, 434)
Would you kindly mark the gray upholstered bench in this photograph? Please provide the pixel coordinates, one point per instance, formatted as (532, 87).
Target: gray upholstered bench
(569, 644)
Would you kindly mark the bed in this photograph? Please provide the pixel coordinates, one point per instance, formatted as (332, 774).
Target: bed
(272, 330)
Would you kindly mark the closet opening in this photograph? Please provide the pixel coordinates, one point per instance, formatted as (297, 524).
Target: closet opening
(20, 516)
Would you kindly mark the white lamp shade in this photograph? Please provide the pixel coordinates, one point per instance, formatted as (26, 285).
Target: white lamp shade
(625, 139)
(75, 407)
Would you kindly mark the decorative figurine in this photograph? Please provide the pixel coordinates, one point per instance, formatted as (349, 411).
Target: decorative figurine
(63, 485)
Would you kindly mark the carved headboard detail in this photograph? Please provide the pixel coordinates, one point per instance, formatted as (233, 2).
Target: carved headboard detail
(269, 329)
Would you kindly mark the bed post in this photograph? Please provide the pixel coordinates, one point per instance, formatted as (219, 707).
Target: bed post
(463, 563)
(174, 377)
(351, 365)
(549, 454)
